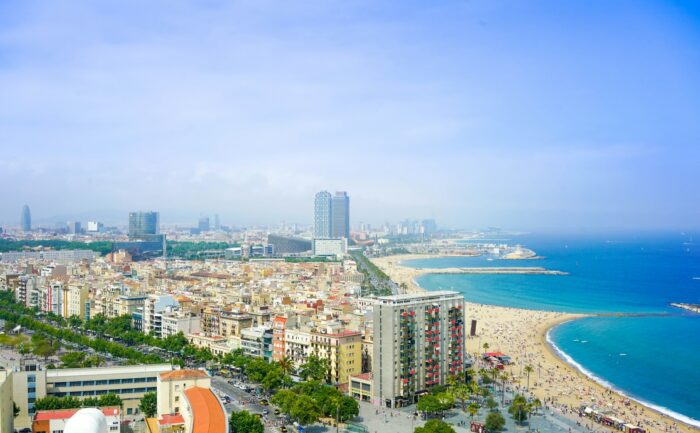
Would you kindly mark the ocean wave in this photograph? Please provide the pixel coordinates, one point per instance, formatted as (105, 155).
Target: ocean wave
(661, 409)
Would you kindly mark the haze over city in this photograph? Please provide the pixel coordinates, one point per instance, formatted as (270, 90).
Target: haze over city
(548, 114)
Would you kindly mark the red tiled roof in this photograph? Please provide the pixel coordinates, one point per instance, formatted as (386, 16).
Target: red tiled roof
(207, 414)
(363, 376)
(170, 419)
(183, 374)
(46, 415)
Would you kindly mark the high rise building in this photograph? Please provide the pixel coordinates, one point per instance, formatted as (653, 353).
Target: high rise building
(419, 340)
(203, 224)
(26, 219)
(322, 215)
(143, 224)
(74, 227)
(217, 223)
(340, 215)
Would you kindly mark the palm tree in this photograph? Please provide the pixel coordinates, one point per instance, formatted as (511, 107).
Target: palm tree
(286, 364)
(504, 377)
(536, 404)
(486, 347)
(528, 369)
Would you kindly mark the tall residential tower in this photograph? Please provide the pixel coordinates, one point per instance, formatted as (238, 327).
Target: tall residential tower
(419, 340)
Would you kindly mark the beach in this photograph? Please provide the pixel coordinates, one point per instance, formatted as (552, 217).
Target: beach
(522, 334)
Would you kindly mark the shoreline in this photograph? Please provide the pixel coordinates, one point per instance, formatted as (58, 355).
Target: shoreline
(564, 382)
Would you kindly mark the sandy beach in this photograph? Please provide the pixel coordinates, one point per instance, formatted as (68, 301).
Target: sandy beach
(522, 335)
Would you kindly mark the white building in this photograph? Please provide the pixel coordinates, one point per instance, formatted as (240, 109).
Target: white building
(330, 247)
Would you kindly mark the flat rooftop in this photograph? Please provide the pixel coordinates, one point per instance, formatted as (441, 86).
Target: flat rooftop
(426, 296)
(102, 371)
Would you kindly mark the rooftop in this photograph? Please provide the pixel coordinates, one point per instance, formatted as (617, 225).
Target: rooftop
(170, 419)
(100, 371)
(427, 296)
(207, 413)
(183, 374)
(46, 415)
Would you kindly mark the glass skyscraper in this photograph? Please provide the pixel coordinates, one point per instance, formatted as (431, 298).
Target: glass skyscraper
(322, 215)
(26, 219)
(143, 224)
(340, 215)
(331, 215)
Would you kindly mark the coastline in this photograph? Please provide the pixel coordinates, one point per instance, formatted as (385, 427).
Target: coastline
(524, 334)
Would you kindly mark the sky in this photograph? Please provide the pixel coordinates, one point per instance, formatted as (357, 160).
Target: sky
(520, 114)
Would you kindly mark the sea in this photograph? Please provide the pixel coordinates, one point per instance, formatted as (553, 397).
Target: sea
(651, 353)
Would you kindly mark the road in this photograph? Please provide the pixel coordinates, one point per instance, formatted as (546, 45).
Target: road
(241, 400)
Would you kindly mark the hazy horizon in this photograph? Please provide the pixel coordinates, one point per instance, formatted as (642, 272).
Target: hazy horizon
(534, 115)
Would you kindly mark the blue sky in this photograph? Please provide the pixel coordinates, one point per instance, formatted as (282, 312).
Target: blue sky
(537, 114)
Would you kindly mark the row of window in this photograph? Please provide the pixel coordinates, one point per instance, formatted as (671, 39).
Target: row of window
(104, 391)
(106, 381)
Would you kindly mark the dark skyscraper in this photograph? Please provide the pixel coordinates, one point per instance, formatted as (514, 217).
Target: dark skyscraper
(143, 224)
(26, 219)
(322, 215)
(340, 215)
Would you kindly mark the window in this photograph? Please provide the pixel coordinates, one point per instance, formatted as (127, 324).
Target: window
(60, 384)
(101, 382)
(129, 411)
(88, 382)
(31, 378)
(139, 379)
(76, 383)
(115, 381)
(177, 398)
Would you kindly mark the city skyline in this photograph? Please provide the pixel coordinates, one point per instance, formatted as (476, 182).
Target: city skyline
(503, 114)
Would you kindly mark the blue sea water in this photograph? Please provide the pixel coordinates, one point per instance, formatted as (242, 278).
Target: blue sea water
(654, 357)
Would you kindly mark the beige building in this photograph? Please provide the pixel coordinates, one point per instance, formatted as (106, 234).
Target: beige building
(6, 407)
(185, 397)
(75, 300)
(343, 349)
(130, 383)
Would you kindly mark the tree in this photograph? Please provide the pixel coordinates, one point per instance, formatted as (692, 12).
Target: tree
(274, 379)
(149, 404)
(461, 392)
(491, 403)
(519, 409)
(486, 347)
(245, 422)
(285, 400)
(528, 369)
(473, 409)
(504, 377)
(15, 409)
(315, 368)
(536, 404)
(110, 399)
(494, 422)
(435, 426)
(286, 364)
(347, 408)
(305, 410)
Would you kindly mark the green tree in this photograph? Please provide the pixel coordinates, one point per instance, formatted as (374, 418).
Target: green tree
(245, 422)
(110, 399)
(286, 364)
(473, 409)
(435, 426)
(285, 400)
(528, 369)
(461, 392)
(491, 403)
(305, 410)
(494, 422)
(149, 404)
(15, 409)
(519, 409)
(315, 368)
(347, 408)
